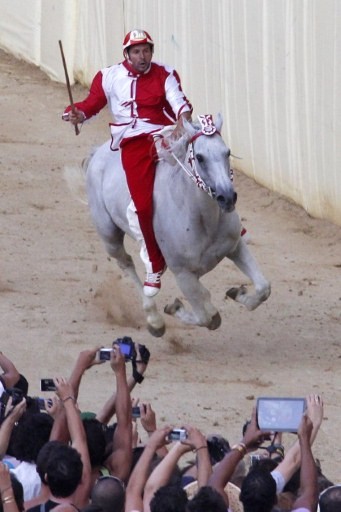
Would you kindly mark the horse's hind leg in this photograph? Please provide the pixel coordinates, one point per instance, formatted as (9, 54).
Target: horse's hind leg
(115, 248)
(203, 312)
(244, 260)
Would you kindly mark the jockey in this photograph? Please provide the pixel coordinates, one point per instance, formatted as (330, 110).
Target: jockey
(143, 97)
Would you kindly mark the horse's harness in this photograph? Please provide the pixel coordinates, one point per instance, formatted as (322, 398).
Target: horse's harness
(207, 128)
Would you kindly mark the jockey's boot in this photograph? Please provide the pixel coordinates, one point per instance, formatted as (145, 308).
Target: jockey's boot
(152, 284)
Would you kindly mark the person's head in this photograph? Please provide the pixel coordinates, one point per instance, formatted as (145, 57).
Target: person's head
(95, 436)
(258, 491)
(60, 467)
(169, 498)
(18, 493)
(30, 435)
(206, 499)
(218, 447)
(138, 48)
(330, 499)
(108, 494)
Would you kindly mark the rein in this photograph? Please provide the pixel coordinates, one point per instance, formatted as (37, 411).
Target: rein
(208, 129)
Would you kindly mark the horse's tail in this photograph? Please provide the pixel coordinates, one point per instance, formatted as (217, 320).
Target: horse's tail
(75, 178)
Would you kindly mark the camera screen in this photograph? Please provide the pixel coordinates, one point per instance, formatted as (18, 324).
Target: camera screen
(105, 354)
(125, 349)
(280, 414)
(47, 385)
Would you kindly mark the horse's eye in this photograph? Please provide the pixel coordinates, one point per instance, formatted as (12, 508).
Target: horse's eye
(200, 158)
(228, 154)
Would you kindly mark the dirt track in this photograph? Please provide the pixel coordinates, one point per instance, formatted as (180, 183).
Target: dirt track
(60, 294)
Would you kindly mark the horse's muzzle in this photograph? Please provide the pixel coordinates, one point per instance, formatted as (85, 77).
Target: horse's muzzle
(227, 203)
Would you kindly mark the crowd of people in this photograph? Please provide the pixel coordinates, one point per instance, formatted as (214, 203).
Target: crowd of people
(56, 457)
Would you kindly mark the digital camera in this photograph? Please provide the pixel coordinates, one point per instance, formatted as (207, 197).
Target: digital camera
(127, 347)
(178, 434)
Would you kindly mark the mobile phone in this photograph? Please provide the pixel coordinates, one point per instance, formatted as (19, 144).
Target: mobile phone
(178, 434)
(47, 385)
(104, 354)
(136, 412)
(280, 414)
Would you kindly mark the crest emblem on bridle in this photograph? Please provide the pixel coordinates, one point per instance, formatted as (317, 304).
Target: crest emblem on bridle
(207, 124)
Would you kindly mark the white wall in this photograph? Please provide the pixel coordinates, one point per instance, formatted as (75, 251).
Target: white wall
(272, 67)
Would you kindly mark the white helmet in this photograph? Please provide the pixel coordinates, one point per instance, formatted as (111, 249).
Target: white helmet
(137, 36)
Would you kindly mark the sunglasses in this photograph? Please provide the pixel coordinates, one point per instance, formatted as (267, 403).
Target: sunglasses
(111, 477)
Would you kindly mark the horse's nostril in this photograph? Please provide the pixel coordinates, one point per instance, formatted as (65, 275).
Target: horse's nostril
(235, 195)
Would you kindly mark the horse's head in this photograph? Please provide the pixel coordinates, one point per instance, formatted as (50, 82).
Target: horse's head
(211, 159)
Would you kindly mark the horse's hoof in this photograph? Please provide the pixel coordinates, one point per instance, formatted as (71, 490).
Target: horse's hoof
(234, 293)
(215, 322)
(156, 332)
(171, 309)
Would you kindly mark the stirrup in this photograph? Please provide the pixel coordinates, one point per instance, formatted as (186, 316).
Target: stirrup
(152, 284)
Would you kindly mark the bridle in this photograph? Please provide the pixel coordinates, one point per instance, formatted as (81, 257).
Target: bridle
(207, 129)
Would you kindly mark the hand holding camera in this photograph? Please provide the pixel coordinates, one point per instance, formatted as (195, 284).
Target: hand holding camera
(253, 436)
(12, 405)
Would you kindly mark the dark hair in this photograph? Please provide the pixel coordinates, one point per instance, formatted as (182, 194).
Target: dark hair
(169, 498)
(91, 508)
(330, 499)
(266, 464)
(95, 436)
(62, 466)
(43, 457)
(30, 435)
(206, 499)
(18, 493)
(218, 447)
(108, 493)
(258, 491)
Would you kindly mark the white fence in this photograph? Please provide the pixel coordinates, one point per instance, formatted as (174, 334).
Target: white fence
(272, 67)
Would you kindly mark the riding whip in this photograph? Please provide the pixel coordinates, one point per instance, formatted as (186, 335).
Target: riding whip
(68, 85)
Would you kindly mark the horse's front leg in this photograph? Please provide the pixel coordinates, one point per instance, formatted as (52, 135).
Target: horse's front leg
(244, 260)
(203, 312)
(115, 248)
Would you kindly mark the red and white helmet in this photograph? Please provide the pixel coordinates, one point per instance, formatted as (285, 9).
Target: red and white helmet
(137, 36)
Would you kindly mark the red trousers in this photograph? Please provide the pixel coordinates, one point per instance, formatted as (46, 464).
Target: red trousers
(139, 157)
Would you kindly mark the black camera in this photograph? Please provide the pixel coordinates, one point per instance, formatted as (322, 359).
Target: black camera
(127, 347)
(17, 396)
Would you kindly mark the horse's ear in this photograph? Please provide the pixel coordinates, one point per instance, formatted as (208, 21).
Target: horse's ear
(188, 127)
(218, 122)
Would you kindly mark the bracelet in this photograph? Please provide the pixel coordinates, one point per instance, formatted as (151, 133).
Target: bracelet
(68, 398)
(200, 448)
(8, 499)
(241, 448)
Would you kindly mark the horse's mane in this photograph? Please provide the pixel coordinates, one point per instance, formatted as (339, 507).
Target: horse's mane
(167, 146)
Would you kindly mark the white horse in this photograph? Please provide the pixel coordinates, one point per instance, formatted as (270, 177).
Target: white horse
(196, 224)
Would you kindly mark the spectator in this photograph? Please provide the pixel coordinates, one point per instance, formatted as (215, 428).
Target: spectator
(60, 468)
(206, 499)
(109, 494)
(169, 498)
(12, 494)
(30, 435)
(330, 499)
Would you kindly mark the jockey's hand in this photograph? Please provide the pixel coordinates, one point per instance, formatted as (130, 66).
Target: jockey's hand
(75, 117)
(179, 127)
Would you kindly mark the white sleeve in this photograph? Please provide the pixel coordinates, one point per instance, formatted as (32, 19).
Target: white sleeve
(279, 479)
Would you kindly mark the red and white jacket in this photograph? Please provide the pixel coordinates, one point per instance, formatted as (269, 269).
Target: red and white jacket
(139, 103)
